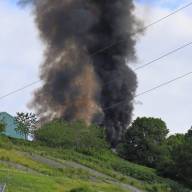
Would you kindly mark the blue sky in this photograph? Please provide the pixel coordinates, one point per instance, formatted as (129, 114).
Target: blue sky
(22, 53)
(171, 4)
(12, 2)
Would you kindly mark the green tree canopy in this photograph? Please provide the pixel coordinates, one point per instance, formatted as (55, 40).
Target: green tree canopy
(175, 140)
(179, 164)
(76, 135)
(26, 123)
(189, 133)
(144, 141)
(182, 157)
(166, 166)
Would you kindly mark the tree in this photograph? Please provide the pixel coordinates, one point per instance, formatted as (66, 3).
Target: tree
(144, 141)
(182, 157)
(179, 166)
(174, 140)
(26, 124)
(189, 133)
(2, 127)
(166, 167)
(71, 135)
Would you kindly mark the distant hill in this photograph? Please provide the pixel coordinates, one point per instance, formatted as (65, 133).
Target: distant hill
(10, 125)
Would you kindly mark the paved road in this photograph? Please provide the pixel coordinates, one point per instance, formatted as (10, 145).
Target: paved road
(63, 164)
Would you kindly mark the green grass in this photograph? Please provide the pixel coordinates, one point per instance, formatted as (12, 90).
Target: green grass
(18, 181)
(46, 178)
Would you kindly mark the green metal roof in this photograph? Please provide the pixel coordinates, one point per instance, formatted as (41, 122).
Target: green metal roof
(10, 125)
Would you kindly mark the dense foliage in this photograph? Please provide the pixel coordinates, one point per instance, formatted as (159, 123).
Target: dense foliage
(144, 141)
(26, 124)
(75, 135)
(179, 164)
(67, 179)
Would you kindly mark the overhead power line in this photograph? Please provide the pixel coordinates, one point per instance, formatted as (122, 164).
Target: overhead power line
(136, 69)
(169, 15)
(157, 59)
(113, 44)
(152, 89)
(143, 28)
(164, 84)
(163, 56)
(20, 89)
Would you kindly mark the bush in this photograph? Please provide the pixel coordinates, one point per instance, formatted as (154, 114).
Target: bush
(75, 135)
(5, 142)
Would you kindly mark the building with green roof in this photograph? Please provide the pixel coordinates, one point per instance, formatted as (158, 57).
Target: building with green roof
(10, 125)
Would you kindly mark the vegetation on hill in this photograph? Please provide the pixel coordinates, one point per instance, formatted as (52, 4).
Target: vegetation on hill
(75, 136)
(146, 143)
(83, 163)
(179, 159)
(78, 154)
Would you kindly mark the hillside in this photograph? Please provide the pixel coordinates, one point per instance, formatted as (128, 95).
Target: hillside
(29, 167)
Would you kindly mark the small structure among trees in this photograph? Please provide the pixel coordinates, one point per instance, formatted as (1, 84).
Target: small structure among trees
(8, 125)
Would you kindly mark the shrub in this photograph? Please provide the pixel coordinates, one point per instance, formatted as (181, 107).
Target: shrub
(75, 135)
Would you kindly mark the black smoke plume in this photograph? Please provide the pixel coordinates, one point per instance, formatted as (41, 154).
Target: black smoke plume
(81, 82)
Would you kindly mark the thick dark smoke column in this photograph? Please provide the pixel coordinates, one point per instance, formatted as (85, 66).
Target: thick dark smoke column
(78, 83)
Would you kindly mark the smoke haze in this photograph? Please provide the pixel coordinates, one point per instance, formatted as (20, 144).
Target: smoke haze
(78, 81)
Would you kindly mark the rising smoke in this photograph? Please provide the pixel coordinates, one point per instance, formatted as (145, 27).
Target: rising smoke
(78, 81)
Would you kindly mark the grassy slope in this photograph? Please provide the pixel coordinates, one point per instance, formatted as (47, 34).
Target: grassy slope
(23, 173)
